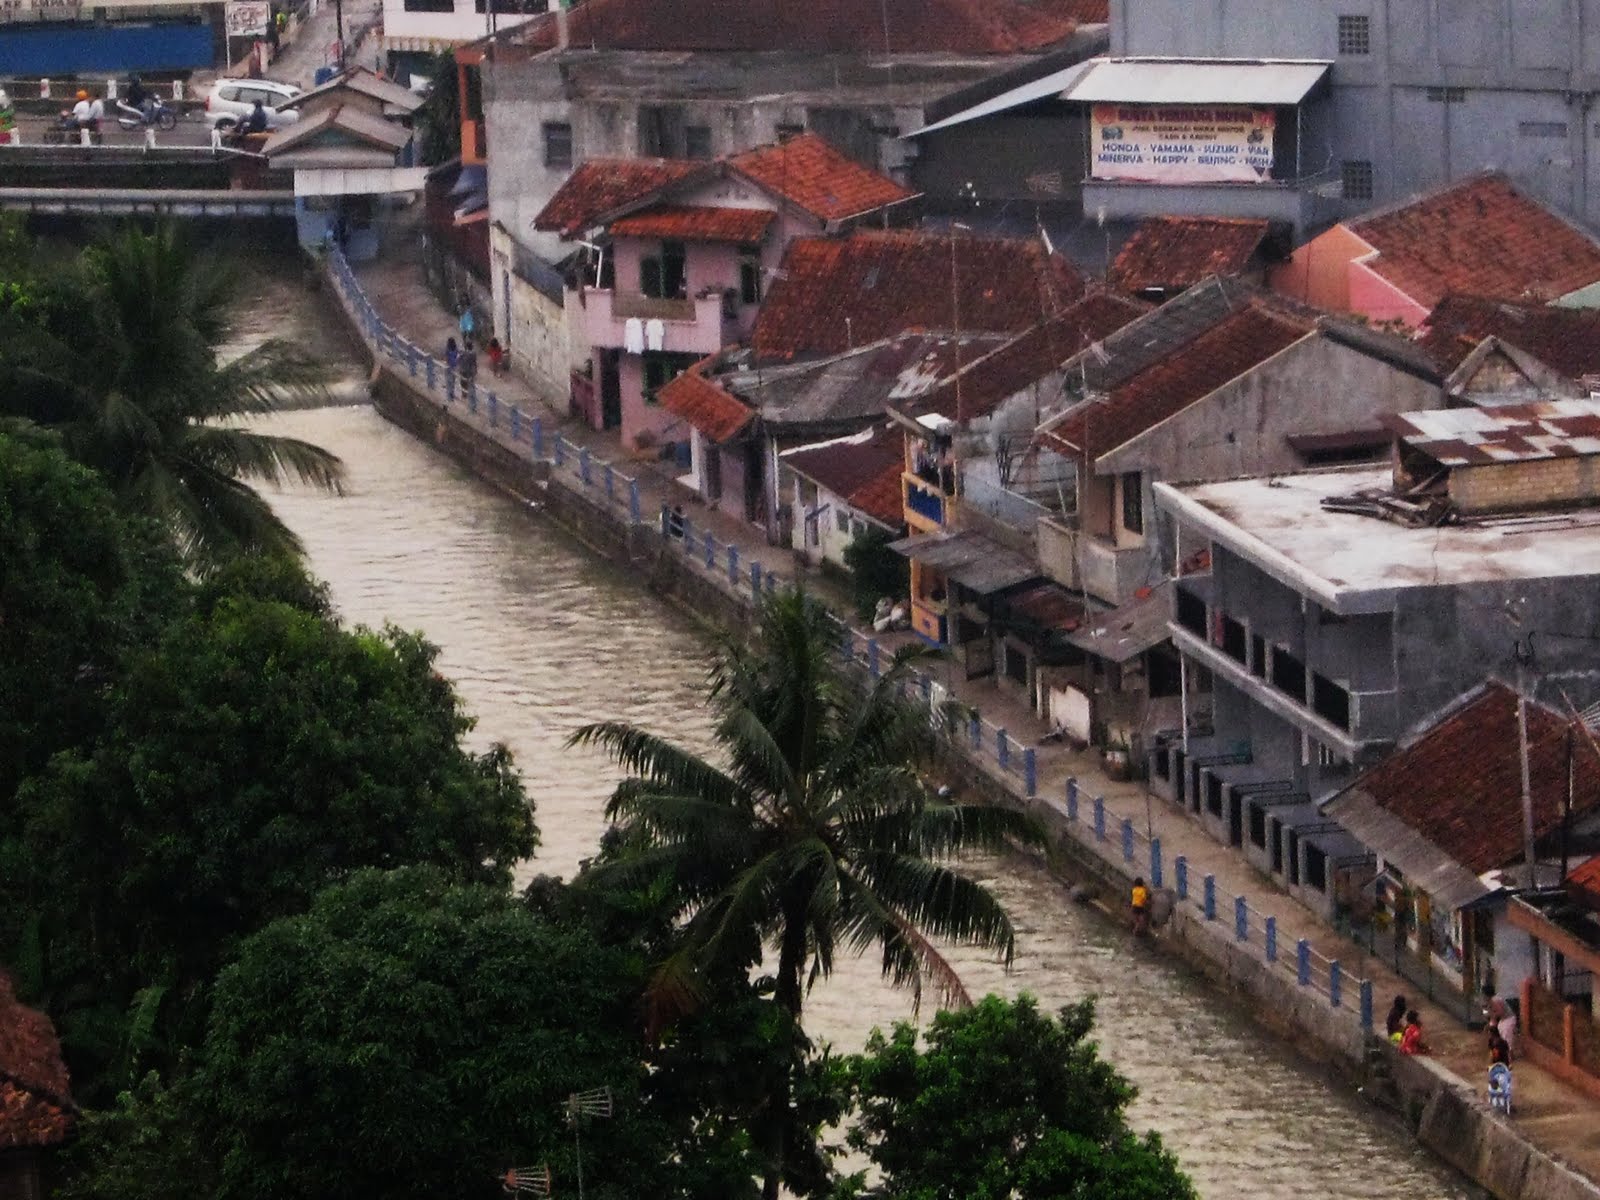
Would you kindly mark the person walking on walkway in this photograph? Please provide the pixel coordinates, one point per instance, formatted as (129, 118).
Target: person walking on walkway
(1499, 1048)
(468, 322)
(1140, 901)
(452, 354)
(468, 366)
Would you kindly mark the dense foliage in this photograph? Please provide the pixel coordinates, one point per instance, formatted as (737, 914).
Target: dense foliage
(1004, 1103)
(875, 570)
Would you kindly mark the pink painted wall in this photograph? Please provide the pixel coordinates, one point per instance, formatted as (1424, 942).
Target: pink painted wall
(641, 418)
(1374, 297)
(1319, 271)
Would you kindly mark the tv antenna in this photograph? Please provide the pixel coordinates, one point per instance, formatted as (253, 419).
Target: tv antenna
(596, 1102)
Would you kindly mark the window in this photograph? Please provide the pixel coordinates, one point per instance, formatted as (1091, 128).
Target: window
(1355, 35)
(431, 6)
(1132, 503)
(841, 517)
(749, 274)
(661, 369)
(1356, 175)
(787, 130)
(516, 7)
(697, 141)
(1444, 95)
(558, 144)
(664, 277)
(1542, 129)
(660, 131)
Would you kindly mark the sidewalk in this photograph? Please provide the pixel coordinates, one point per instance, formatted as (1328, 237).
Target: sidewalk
(1006, 740)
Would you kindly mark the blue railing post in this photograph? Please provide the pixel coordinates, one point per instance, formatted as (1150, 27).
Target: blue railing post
(611, 482)
(1072, 797)
(847, 643)
(583, 467)
(772, 583)
(1030, 773)
(1209, 898)
(538, 444)
(927, 688)
(1366, 1004)
(1302, 962)
(633, 501)
(686, 535)
(975, 731)
(1241, 920)
(411, 360)
(755, 582)
(472, 395)
(872, 657)
(516, 423)
(1272, 939)
(1335, 983)
(449, 386)
(1002, 748)
(494, 410)
(1155, 862)
(733, 563)
(1127, 839)
(1099, 818)
(666, 521)
(561, 450)
(711, 551)
(432, 368)
(1180, 873)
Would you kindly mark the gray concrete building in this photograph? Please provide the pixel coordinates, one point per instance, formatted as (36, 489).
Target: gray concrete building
(1421, 92)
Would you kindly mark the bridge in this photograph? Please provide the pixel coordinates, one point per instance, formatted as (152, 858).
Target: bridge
(184, 181)
(125, 202)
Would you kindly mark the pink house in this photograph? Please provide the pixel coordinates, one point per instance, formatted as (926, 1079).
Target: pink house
(1478, 237)
(675, 259)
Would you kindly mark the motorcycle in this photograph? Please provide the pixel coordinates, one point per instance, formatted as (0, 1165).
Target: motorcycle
(67, 131)
(154, 115)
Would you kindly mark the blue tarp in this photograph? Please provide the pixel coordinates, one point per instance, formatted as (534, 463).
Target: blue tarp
(117, 49)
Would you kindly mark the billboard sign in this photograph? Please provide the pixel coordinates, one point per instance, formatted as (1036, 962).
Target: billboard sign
(248, 18)
(1182, 144)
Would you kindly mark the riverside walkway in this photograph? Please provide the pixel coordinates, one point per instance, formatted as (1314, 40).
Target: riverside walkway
(1118, 822)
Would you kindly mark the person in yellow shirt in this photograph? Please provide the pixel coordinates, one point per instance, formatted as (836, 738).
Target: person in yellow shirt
(1141, 907)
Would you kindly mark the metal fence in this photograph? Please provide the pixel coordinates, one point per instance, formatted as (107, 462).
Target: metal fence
(1114, 838)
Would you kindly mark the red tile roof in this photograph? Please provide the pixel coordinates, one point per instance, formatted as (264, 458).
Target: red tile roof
(1083, 12)
(815, 26)
(1567, 340)
(1175, 252)
(603, 185)
(813, 176)
(1460, 784)
(863, 470)
(1027, 358)
(1221, 354)
(834, 293)
(686, 223)
(35, 1110)
(714, 412)
(1483, 237)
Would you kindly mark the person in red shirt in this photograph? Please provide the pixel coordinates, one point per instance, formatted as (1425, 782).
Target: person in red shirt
(1411, 1040)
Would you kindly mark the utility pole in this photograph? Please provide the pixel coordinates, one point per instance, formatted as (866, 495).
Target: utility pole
(338, 16)
(1523, 651)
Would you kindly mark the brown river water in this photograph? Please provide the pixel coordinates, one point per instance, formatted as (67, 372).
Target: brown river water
(539, 637)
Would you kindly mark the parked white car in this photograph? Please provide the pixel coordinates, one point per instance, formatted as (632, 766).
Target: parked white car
(231, 100)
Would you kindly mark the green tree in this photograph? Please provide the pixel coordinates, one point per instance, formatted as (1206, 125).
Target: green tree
(819, 833)
(123, 357)
(1005, 1103)
(438, 121)
(256, 755)
(875, 570)
(406, 1037)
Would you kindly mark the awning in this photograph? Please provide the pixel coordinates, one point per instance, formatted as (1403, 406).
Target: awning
(1426, 867)
(973, 561)
(472, 179)
(1197, 81)
(1053, 84)
(1125, 632)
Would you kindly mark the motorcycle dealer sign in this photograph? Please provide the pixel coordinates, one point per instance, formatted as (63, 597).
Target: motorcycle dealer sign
(1188, 144)
(248, 18)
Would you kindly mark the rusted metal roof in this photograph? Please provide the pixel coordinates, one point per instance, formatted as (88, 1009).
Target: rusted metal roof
(1123, 633)
(1461, 437)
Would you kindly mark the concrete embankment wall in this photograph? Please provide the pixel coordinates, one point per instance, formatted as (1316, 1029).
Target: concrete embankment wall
(1443, 1114)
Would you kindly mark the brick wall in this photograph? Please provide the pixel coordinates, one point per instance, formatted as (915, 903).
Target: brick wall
(1500, 487)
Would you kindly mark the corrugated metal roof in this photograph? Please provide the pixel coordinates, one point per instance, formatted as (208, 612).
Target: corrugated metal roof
(1459, 437)
(1124, 632)
(1449, 884)
(970, 559)
(1197, 81)
(1053, 84)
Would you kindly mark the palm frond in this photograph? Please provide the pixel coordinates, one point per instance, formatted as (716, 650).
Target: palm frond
(266, 379)
(908, 956)
(649, 756)
(937, 900)
(217, 516)
(243, 454)
(757, 757)
(938, 830)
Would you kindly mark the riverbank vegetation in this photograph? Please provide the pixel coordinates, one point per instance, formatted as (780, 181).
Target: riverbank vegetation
(263, 890)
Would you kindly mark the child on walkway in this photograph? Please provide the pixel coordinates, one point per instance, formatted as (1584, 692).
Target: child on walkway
(497, 356)
(451, 354)
(1411, 1041)
(1395, 1025)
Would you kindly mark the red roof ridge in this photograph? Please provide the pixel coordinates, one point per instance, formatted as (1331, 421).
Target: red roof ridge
(713, 410)
(814, 175)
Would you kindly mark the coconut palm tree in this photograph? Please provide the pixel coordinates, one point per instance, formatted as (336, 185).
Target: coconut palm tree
(817, 834)
(121, 355)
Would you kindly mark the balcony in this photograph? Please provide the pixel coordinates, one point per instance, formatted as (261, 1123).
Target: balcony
(688, 326)
(924, 502)
(929, 620)
(1091, 564)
